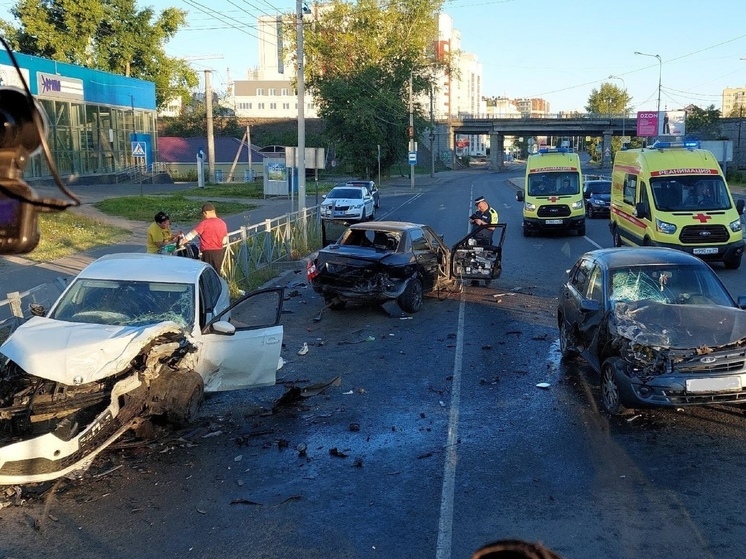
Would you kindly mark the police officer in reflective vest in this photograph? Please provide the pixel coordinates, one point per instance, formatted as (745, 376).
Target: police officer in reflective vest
(485, 215)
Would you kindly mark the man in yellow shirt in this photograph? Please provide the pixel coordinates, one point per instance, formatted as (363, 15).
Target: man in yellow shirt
(159, 233)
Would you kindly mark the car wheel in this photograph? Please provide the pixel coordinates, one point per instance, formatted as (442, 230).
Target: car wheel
(611, 397)
(616, 237)
(526, 232)
(567, 350)
(364, 217)
(411, 300)
(733, 263)
(187, 399)
(581, 231)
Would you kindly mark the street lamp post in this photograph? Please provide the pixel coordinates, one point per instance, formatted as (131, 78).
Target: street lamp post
(624, 117)
(301, 161)
(660, 74)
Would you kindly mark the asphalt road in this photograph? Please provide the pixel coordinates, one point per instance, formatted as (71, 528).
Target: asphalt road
(428, 439)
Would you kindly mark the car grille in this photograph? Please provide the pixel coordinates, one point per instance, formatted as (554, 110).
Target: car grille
(704, 234)
(558, 210)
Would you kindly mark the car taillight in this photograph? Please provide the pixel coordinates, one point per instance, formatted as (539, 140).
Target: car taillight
(311, 271)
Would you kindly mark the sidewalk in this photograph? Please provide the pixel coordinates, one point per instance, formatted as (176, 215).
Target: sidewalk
(18, 273)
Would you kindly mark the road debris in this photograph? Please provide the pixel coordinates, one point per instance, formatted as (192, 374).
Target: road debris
(303, 350)
(543, 385)
(334, 451)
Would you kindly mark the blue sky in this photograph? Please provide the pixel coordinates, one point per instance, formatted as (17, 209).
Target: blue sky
(559, 51)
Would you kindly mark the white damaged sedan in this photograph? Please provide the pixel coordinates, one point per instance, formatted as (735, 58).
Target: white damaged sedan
(132, 336)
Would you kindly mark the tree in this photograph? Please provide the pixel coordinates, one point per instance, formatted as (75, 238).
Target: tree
(703, 123)
(607, 101)
(109, 35)
(193, 120)
(359, 59)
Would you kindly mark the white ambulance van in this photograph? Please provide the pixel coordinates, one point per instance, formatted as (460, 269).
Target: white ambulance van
(552, 193)
(673, 194)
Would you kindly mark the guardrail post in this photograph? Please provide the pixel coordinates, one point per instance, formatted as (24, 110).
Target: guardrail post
(244, 252)
(14, 299)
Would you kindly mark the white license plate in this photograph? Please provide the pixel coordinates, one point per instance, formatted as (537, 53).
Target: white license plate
(717, 384)
(709, 250)
(554, 222)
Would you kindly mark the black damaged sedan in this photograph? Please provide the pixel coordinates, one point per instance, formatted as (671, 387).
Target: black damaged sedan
(380, 261)
(658, 325)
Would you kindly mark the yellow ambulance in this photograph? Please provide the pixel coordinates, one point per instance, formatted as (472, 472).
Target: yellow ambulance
(552, 193)
(673, 194)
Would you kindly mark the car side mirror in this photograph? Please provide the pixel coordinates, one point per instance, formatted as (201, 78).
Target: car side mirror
(642, 211)
(740, 205)
(224, 327)
(589, 305)
(519, 195)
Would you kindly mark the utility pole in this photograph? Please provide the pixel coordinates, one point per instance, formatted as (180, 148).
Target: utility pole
(248, 141)
(301, 110)
(210, 133)
(411, 133)
(432, 134)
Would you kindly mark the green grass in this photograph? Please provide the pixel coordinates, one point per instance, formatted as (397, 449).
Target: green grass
(179, 208)
(66, 233)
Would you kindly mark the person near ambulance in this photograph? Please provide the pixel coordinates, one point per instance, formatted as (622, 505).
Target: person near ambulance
(485, 215)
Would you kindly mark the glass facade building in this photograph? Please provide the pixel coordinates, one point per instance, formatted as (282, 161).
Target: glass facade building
(99, 123)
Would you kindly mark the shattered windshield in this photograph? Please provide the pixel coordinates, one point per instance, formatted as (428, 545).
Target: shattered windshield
(677, 284)
(126, 303)
(690, 193)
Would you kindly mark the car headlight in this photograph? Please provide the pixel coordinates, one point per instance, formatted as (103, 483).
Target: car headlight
(577, 205)
(735, 226)
(597, 202)
(356, 206)
(529, 207)
(665, 227)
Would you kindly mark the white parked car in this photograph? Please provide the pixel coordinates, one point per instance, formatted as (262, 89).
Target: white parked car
(132, 336)
(351, 203)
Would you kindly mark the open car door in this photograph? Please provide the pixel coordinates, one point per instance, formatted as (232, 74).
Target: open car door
(242, 344)
(332, 230)
(471, 260)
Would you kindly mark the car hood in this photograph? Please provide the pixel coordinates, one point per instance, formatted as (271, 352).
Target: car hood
(342, 201)
(699, 328)
(62, 351)
(604, 197)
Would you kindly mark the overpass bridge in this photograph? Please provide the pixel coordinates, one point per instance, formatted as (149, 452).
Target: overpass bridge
(497, 128)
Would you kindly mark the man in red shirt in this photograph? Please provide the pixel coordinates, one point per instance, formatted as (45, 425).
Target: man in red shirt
(213, 236)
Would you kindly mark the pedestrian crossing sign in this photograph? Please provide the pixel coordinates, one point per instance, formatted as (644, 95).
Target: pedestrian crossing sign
(138, 149)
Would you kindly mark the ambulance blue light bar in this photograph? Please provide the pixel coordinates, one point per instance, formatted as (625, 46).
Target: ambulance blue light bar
(554, 150)
(689, 144)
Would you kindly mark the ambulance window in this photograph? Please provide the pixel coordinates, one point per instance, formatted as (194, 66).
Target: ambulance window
(630, 186)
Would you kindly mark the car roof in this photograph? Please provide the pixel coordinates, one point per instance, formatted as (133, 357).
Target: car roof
(389, 225)
(145, 267)
(644, 256)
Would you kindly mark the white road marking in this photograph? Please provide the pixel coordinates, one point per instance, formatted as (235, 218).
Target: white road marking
(445, 524)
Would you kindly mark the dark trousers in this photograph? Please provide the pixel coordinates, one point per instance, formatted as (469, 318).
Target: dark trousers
(214, 258)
